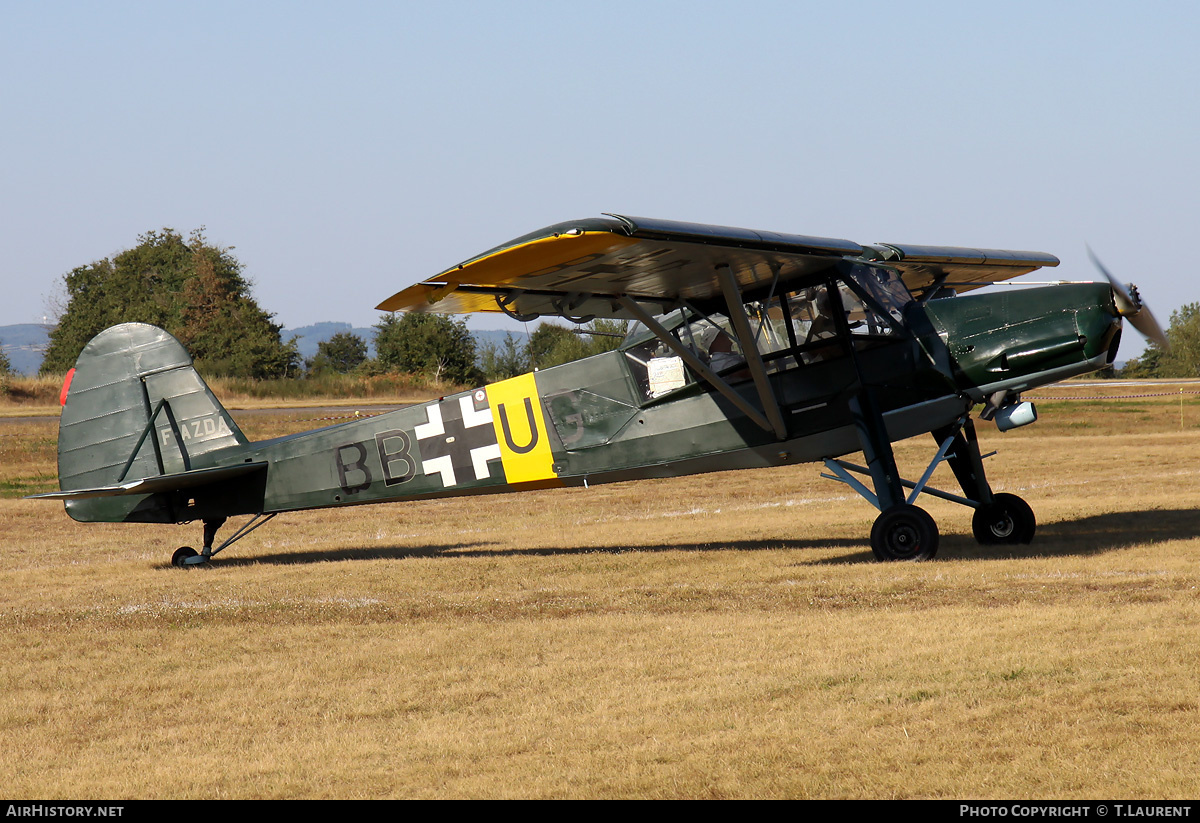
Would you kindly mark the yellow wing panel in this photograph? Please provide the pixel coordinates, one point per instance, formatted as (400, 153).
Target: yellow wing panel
(440, 299)
(537, 258)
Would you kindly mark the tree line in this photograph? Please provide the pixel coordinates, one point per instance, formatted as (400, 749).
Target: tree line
(443, 349)
(5, 373)
(1181, 359)
(198, 292)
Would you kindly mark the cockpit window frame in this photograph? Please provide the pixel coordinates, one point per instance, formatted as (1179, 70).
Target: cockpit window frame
(842, 343)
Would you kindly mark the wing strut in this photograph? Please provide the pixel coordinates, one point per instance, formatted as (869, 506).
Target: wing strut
(741, 324)
(693, 362)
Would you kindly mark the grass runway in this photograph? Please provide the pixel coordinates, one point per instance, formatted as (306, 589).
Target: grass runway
(718, 636)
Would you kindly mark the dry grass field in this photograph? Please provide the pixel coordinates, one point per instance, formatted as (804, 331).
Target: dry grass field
(722, 636)
(22, 396)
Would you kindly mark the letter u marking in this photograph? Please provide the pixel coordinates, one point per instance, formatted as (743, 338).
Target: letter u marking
(533, 431)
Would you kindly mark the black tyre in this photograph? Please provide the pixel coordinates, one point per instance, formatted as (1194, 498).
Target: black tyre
(904, 532)
(182, 554)
(1007, 520)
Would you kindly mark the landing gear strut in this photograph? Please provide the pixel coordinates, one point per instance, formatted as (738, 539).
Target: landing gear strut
(186, 556)
(904, 531)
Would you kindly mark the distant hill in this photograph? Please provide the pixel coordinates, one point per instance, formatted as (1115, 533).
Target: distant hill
(495, 337)
(25, 343)
(308, 337)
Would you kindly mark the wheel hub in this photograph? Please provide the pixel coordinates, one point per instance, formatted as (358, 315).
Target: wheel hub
(1002, 528)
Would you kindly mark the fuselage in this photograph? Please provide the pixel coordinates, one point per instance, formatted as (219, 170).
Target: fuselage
(640, 412)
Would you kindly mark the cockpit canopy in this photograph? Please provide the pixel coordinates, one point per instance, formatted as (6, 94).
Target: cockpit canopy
(791, 329)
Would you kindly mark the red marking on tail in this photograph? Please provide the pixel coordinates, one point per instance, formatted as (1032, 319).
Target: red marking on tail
(62, 397)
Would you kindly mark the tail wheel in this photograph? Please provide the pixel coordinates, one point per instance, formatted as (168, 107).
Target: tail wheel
(1007, 520)
(904, 532)
(179, 559)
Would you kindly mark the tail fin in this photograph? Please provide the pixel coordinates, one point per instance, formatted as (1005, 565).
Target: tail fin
(135, 408)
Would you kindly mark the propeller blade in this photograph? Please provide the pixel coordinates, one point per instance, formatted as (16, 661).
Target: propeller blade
(1132, 307)
(1145, 323)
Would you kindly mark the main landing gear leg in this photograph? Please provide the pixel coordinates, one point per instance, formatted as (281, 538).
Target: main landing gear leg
(906, 532)
(999, 518)
(902, 531)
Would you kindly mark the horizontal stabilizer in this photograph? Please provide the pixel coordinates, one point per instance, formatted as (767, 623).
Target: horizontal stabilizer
(177, 481)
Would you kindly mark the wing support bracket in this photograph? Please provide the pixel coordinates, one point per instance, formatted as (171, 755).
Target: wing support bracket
(502, 302)
(569, 303)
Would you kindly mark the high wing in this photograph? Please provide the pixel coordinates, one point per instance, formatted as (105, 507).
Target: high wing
(930, 267)
(592, 268)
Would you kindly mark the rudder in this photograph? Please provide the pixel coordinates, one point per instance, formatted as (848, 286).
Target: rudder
(126, 378)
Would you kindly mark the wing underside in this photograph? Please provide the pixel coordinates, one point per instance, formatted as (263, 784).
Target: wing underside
(588, 268)
(925, 267)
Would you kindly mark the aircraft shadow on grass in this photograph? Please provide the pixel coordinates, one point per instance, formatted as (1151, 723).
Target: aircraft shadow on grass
(1097, 534)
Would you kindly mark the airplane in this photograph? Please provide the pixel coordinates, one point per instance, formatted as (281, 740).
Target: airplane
(747, 349)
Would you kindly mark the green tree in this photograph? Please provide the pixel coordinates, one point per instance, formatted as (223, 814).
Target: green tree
(428, 344)
(342, 353)
(1182, 359)
(193, 289)
(552, 344)
(606, 335)
(5, 371)
(1148, 365)
(508, 359)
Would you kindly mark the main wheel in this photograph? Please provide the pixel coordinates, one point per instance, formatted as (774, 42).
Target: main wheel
(904, 532)
(1007, 520)
(181, 555)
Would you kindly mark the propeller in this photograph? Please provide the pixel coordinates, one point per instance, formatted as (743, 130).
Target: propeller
(1129, 304)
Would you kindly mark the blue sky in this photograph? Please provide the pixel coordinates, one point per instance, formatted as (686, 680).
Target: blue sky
(347, 150)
